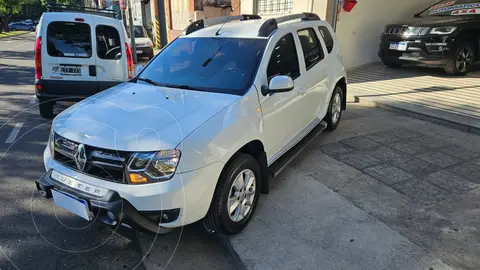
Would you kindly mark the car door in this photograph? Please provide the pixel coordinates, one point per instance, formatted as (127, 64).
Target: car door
(67, 54)
(111, 67)
(315, 76)
(280, 110)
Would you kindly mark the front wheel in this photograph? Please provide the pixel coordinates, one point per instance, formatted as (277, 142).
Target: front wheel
(236, 196)
(461, 60)
(334, 113)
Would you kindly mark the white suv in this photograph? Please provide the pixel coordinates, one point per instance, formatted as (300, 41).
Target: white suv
(197, 133)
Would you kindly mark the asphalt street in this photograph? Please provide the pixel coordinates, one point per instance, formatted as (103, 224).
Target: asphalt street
(34, 234)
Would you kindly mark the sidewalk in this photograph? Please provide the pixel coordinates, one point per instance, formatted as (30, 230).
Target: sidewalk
(421, 92)
(383, 191)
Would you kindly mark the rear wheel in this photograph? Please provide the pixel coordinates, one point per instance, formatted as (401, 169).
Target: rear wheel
(236, 196)
(46, 109)
(391, 64)
(462, 59)
(334, 113)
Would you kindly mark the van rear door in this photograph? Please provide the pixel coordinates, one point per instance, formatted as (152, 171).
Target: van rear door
(68, 61)
(111, 63)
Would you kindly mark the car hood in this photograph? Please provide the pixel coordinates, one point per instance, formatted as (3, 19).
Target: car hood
(139, 117)
(431, 21)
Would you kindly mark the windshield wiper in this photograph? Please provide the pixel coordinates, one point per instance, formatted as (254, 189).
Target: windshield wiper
(147, 80)
(181, 86)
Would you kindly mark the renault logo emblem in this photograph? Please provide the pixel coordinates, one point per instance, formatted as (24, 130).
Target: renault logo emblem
(80, 157)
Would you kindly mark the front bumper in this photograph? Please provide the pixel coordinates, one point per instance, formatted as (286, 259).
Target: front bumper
(185, 198)
(427, 50)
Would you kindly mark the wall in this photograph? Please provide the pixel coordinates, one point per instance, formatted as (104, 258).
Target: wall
(249, 7)
(359, 31)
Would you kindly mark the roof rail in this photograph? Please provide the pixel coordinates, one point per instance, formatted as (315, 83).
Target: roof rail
(200, 24)
(271, 25)
(80, 9)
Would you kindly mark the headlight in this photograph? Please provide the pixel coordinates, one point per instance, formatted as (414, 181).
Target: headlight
(150, 167)
(51, 142)
(444, 30)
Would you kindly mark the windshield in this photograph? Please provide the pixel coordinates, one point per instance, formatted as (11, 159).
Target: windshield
(224, 65)
(454, 8)
(139, 31)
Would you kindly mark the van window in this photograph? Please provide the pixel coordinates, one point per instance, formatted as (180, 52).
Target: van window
(284, 59)
(69, 39)
(312, 49)
(108, 42)
(327, 37)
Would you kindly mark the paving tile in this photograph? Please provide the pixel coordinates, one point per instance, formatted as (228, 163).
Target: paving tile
(432, 142)
(410, 147)
(449, 182)
(383, 137)
(336, 149)
(388, 174)
(468, 170)
(476, 161)
(440, 159)
(385, 153)
(360, 143)
(359, 160)
(405, 133)
(414, 165)
(421, 191)
(459, 152)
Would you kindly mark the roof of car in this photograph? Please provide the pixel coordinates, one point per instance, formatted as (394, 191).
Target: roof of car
(241, 29)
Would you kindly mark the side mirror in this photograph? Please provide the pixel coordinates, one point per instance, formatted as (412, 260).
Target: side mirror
(278, 84)
(138, 69)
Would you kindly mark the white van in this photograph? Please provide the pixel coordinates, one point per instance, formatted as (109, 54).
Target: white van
(78, 54)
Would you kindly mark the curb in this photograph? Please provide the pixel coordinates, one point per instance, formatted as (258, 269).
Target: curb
(236, 260)
(26, 33)
(419, 115)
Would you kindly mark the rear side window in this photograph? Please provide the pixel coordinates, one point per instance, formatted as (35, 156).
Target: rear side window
(327, 37)
(312, 50)
(108, 42)
(68, 39)
(284, 59)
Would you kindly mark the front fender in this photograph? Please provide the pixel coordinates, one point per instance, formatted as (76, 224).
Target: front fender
(223, 135)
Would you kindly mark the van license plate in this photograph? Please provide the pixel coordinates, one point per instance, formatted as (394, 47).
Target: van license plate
(139, 51)
(67, 70)
(77, 206)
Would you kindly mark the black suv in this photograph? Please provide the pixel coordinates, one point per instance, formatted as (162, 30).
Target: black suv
(446, 34)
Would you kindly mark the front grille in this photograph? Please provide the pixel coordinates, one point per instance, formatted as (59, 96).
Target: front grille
(101, 163)
(395, 31)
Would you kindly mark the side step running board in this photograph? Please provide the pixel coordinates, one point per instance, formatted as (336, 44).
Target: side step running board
(277, 167)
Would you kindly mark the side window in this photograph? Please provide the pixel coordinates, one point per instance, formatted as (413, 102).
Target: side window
(284, 59)
(327, 37)
(312, 49)
(108, 42)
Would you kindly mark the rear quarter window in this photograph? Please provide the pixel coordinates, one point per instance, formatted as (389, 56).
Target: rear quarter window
(69, 39)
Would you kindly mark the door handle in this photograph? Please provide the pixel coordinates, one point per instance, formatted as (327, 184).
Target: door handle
(92, 70)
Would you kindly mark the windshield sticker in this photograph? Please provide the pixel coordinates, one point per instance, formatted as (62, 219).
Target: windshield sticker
(446, 4)
(466, 11)
(456, 7)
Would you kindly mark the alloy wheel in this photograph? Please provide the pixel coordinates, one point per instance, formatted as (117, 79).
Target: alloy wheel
(464, 59)
(241, 195)
(336, 108)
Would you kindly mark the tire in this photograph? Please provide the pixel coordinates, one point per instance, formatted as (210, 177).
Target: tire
(334, 113)
(150, 57)
(465, 53)
(13, 30)
(391, 64)
(46, 109)
(218, 217)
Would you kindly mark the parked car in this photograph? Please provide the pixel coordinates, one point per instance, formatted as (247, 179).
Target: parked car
(446, 35)
(196, 134)
(78, 55)
(29, 22)
(144, 46)
(21, 26)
